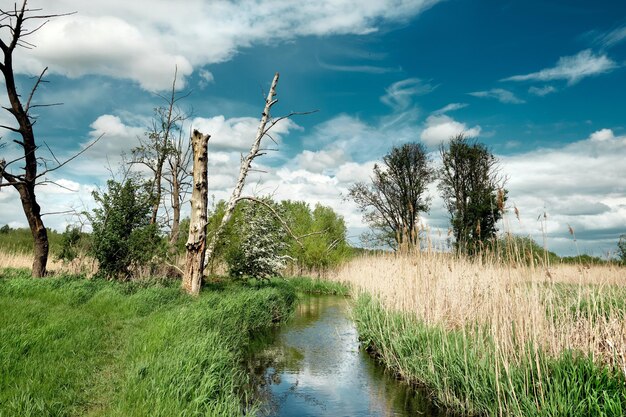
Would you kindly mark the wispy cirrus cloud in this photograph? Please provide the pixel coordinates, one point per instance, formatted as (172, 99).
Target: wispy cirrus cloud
(450, 107)
(500, 94)
(571, 68)
(542, 91)
(399, 95)
(368, 69)
(611, 38)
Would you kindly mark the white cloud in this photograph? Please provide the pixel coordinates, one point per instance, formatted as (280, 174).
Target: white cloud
(450, 107)
(237, 133)
(542, 91)
(352, 172)
(399, 95)
(439, 129)
(116, 137)
(612, 38)
(582, 184)
(500, 94)
(367, 69)
(206, 77)
(107, 45)
(571, 68)
(68, 195)
(602, 135)
(142, 40)
(357, 139)
(321, 160)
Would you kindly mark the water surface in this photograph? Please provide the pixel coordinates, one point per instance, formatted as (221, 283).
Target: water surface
(313, 366)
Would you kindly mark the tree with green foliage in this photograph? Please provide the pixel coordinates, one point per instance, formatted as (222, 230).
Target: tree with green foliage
(473, 191)
(322, 239)
(260, 253)
(392, 203)
(621, 249)
(123, 236)
(69, 244)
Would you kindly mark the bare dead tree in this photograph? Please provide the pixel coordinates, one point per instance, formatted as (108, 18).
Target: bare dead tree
(246, 163)
(196, 243)
(13, 34)
(177, 178)
(159, 145)
(265, 125)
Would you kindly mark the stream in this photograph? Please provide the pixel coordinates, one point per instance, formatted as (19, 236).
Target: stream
(312, 366)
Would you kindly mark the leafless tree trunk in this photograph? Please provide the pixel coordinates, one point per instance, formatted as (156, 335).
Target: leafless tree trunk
(196, 243)
(243, 171)
(177, 177)
(159, 147)
(12, 22)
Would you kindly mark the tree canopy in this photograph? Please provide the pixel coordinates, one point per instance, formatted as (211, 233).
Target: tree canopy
(391, 204)
(473, 192)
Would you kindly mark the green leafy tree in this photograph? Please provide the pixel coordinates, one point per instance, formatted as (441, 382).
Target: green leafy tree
(123, 236)
(260, 253)
(70, 241)
(621, 249)
(473, 192)
(322, 243)
(391, 204)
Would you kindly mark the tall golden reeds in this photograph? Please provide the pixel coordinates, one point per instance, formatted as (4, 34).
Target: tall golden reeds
(574, 307)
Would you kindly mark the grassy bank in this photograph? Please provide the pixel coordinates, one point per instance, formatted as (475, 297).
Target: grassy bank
(465, 371)
(489, 339)
(92, 348)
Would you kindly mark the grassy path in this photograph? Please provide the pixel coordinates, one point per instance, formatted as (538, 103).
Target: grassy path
(72, 347)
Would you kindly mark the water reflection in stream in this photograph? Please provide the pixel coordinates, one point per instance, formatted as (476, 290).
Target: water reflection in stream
(313, 366)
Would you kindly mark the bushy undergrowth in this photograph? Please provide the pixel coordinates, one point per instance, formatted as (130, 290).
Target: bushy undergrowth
(70, 346)
(470, 375)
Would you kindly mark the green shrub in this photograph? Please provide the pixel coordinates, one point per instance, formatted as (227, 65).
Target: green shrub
(123, 238)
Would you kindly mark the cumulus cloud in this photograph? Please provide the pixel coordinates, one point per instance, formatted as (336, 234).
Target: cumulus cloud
(107, 45)
(113, 137)
(237, 133)
(542, 91)
(399, 95)
(582, 185)
(571, 68)
(142, 40)
(57, 196)
(439, 129)
(321, 160)
(500, 94)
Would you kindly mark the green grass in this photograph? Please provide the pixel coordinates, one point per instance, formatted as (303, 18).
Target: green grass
(21, 241)
(74, 347)
(459, 371)
(317, 286)
(588, 301)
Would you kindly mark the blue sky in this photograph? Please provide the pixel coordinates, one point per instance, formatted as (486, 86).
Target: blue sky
(541, 83)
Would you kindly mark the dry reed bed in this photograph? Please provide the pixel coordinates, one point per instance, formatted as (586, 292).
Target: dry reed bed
(81, 265)
(563, 307)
